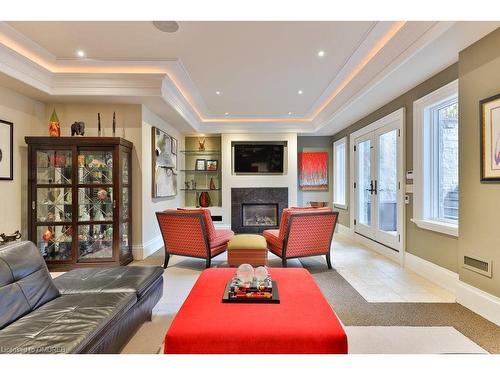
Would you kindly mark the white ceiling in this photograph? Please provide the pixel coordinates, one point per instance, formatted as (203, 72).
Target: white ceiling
(258, 67)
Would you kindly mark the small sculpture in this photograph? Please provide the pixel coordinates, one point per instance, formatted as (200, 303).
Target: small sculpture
(99, 124)
(78, 128)
(201, 144)
(47, 235)
(187, 184)
(245, 273)
(102, 194)
(15, 236)
(54, 125)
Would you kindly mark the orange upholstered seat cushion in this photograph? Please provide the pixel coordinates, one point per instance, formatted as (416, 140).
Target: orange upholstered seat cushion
(274, 242)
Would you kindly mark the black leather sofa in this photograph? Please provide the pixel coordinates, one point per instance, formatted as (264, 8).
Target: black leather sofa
(87, 310)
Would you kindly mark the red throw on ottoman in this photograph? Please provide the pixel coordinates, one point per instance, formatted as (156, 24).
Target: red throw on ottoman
(302, 323)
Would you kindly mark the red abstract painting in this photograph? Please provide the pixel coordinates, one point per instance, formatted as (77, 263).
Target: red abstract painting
(313, 170)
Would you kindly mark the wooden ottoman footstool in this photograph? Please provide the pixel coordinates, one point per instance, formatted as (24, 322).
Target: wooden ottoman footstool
(247, 248)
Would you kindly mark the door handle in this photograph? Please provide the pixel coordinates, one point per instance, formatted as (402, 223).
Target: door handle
(371, 189)
(375, 189)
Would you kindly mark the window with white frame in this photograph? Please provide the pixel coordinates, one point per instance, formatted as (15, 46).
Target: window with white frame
(435, 160)
(339, 172)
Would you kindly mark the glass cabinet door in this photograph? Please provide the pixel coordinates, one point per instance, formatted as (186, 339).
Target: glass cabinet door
(52, 204)
(125, 235)
(96, 203)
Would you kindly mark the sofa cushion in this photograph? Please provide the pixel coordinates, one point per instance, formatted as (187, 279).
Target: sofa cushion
(25, 282)
(67, 324)
(109, 280)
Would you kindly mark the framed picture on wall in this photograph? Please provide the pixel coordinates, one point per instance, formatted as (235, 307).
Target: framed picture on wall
(164, 164)
(6, 150)
(313, 171)
(490, 139)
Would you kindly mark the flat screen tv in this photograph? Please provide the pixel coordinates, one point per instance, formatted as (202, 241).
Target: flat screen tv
(258, 158)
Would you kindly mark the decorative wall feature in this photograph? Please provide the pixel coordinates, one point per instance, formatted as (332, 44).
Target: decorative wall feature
(164, 164)
(313, 171)
(6, 150)
(490, 139)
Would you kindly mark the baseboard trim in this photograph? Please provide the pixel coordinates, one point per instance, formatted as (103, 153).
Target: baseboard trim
(378, 248)
(482, 303)
(345, 231)
(141, 252)
(439, 275)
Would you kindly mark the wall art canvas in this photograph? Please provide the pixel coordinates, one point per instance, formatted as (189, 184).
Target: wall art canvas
(164, 164)
(490, 139)
(313, 171)
(6, 150)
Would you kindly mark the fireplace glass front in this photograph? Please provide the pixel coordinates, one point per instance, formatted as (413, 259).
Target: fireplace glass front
(260, 215)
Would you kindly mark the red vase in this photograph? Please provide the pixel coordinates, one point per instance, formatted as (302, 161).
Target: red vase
(204, 199)
(212, 183)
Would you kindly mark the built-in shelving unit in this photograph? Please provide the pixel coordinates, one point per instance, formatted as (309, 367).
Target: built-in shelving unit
(199, 180)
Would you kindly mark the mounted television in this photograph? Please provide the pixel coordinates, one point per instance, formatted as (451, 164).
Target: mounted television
(258, 157)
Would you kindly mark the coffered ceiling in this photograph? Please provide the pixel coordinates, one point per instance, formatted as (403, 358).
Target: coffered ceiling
(233, 76)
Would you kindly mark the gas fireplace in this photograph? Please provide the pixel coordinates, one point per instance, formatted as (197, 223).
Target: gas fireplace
(256, 209)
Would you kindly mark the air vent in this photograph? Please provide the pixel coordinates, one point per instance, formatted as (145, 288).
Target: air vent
(478, 265)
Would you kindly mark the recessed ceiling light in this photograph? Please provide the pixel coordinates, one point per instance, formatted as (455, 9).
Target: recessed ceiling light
(226, 114)
(80, 53)
(218, 92)
(166, 26)
(321, 53)
(289, 113)
(300, 92)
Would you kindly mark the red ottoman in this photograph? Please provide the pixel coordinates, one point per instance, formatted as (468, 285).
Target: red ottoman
(302, 323)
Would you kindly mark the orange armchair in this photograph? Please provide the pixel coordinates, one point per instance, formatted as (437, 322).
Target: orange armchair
(191, 233)
(303, 232)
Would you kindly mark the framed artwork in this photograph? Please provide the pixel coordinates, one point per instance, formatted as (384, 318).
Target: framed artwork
(490, 139)
(313, 171)
(164, 164)
(201, 165)
(212, 165)
(6, 150)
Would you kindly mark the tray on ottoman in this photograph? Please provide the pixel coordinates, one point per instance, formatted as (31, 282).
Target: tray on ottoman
(274, 299)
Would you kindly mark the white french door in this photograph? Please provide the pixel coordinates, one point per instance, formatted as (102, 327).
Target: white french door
(378, 183)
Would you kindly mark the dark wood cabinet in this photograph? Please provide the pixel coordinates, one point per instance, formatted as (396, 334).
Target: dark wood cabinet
(80, 195)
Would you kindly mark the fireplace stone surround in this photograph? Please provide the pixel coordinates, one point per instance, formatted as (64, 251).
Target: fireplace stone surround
(265, 196)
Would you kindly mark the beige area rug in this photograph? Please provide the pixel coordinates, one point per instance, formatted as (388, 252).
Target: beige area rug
(371, 327)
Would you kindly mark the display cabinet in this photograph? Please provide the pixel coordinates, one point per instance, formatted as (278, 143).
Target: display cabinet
(79, 194)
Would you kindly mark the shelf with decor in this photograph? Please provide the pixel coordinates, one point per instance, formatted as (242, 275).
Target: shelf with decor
(202, 172)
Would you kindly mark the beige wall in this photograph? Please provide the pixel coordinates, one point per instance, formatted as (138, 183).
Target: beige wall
(437, 248)
(151, 236)
(479, 78)
(29, 118)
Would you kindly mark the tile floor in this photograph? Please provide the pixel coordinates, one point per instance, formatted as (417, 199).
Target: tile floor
(379, 279)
